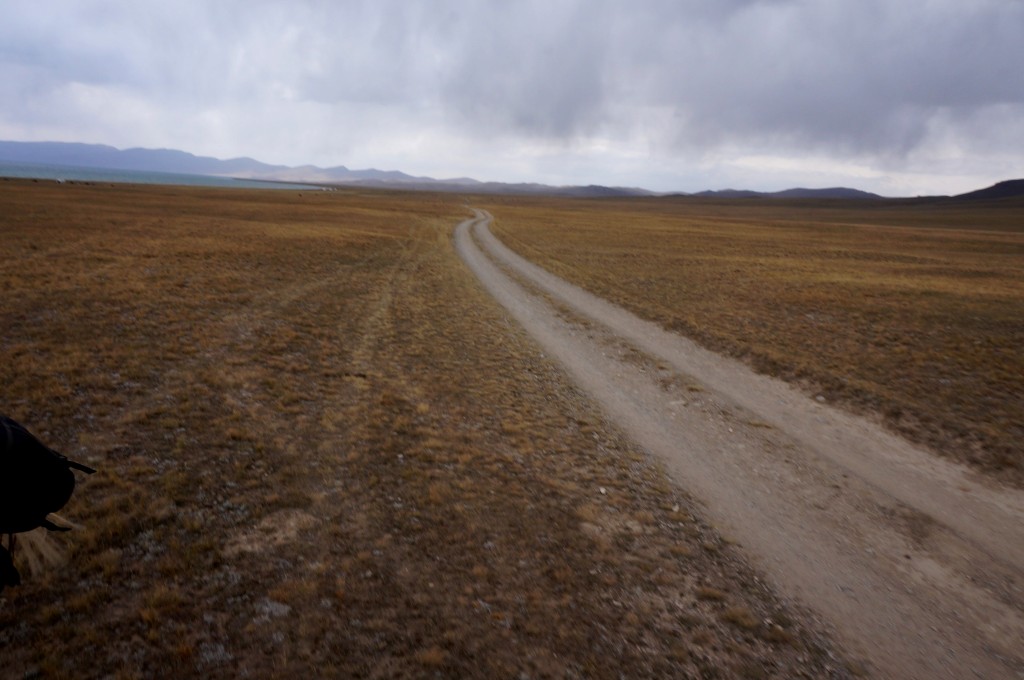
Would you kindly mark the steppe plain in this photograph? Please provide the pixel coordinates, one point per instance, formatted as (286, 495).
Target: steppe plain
(910, 310)
(324, 449)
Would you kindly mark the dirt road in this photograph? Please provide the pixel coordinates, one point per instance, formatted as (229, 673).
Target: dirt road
(917, 564)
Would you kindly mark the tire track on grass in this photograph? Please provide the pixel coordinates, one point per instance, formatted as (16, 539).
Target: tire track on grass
(914, 564)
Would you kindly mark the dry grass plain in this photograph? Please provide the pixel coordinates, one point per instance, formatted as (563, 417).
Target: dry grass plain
(323, 450)
(909, 311)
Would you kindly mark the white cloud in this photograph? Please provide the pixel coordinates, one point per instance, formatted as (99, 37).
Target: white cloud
(664, 93)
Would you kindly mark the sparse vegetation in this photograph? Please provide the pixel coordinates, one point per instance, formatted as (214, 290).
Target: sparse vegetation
(322, 449)
(910, 311)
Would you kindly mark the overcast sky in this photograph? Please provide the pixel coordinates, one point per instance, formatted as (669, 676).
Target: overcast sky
(901, 97)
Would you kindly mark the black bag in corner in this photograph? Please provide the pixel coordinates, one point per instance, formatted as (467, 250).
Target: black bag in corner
(9, 576)
(35, 480)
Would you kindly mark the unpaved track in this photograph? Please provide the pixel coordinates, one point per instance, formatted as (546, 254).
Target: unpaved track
(915, 563)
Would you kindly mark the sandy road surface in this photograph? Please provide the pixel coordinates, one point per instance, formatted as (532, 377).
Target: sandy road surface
(916, 564)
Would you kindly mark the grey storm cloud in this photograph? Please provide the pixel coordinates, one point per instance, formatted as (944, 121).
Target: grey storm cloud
(866, 77)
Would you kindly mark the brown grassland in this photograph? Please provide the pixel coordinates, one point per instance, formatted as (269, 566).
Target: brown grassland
(910, 311)
(322, 450)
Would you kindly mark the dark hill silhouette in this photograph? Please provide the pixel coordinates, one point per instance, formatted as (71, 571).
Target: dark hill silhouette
(832, 192)
(729, 193)
(1011, 188)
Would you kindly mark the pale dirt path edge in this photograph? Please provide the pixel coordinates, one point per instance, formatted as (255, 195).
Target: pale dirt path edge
(914, 563)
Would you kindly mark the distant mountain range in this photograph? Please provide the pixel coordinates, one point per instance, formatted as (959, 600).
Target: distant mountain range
(172, 161)
(181, 162)
(832, 192)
